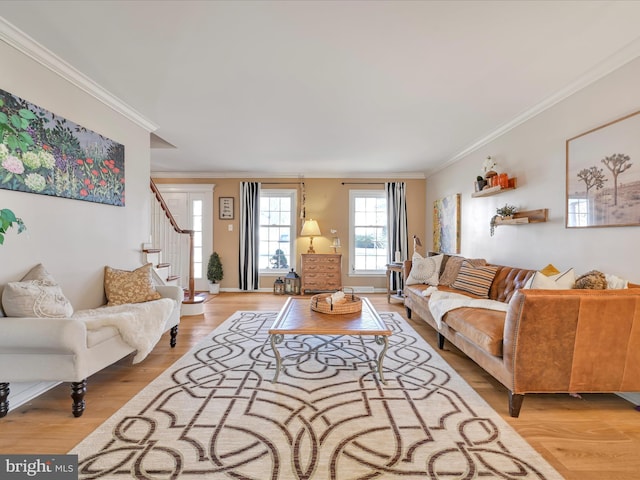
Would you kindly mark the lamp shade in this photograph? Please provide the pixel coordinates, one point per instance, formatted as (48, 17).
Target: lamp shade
(310, 229)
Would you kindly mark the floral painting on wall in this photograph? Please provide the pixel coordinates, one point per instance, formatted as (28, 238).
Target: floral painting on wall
(41, 152)
(446, 224)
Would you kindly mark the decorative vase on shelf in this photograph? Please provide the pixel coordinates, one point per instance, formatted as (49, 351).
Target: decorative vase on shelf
(491, 177)
(481, 183)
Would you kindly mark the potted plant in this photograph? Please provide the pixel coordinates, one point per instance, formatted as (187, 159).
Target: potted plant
(214, 273)
(503, 212)
(7, 220)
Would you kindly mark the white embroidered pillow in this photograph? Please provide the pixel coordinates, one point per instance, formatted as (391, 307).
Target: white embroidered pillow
(424, 270)
(561, 281)
(35, 298)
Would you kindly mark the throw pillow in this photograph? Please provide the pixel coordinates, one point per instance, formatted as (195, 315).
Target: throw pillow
(561, 281)
(424, 270)
(452, 268)
(614, 282)
(124, 286)
(476, 280)
(593, 280)
(550, 270)
(38, 273)
(36, 295)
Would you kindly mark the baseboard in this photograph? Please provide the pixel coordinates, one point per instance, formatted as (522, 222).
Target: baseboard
(22, 392)
(356, 289)
(632, 397)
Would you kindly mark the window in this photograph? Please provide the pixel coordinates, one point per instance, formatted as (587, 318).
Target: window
(368, 231)
(196, 222)
(277, 231)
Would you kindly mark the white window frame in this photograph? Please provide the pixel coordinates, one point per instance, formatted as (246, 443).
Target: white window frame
(353, 194)
(293, 195)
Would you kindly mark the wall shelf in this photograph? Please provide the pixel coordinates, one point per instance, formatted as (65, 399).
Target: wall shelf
(527, 216)
(487, 192)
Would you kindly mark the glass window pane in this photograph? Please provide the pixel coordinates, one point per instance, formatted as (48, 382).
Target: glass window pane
(369, 227)
(277, 234)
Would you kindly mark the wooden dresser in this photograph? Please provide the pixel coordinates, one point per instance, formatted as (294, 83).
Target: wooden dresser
(321, 272)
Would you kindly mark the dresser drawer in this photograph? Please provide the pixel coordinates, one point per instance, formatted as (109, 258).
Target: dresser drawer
(319, 267)
(321, 277)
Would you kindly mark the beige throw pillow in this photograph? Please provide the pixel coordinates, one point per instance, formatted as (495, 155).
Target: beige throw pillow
(36, 295)
(424, 270)
(124, 286)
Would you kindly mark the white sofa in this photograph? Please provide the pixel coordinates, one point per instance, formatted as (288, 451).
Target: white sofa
(65, 350)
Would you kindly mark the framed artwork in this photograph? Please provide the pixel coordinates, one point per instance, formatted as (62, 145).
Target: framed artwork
(44, 153)
(225, 211)
(446, 224)
(603, 180)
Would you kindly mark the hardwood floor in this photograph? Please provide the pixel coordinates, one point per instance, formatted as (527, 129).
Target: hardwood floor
(593, 438)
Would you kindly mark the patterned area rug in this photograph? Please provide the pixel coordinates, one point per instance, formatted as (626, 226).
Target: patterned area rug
(216, 414)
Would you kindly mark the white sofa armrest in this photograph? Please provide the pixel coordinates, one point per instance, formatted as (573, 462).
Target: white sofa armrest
(48, 334)
(171, 291)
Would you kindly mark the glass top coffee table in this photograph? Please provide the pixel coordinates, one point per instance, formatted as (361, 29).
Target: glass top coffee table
(297, 318)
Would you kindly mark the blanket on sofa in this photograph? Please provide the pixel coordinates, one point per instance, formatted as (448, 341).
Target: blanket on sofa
(140, 325)
(442, 302)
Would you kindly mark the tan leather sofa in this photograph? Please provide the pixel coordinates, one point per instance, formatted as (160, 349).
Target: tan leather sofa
(548, 341)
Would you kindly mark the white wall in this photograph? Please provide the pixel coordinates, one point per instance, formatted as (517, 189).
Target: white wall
(534, 152)
(75, 239)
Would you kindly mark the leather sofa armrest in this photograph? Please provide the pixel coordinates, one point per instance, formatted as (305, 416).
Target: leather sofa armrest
(558, 340)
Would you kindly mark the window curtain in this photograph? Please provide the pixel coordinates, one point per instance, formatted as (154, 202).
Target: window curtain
(397, 227)
(249, 231)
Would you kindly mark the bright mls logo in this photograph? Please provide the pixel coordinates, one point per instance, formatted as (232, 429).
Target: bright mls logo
(50, 467)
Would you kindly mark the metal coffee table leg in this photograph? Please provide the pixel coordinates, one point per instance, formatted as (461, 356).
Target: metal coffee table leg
(382, 340)
(276, 339)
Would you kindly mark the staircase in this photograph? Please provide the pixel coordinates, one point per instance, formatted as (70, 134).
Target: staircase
(171, 252)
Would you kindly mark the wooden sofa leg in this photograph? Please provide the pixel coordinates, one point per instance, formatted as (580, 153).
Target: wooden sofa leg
(78, 390)
(4, 399)
(408, 312)
(440, 341)
(174, 336)
(515, 403)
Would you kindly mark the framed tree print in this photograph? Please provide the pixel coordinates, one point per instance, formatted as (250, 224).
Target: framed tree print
(603, 176)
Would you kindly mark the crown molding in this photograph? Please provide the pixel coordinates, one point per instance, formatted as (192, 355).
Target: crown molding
(218, 175)
(22, 42)
(623, 56)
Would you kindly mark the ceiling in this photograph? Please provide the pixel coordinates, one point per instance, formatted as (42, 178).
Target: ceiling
(332, 88)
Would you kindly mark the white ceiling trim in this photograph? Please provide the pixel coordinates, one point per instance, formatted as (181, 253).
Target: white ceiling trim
(389, 175)
(615, 61)
(19, 40)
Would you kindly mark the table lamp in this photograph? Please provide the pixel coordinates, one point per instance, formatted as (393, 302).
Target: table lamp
(310, 229)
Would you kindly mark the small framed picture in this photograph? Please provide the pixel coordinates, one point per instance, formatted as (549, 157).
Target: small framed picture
(225, 211)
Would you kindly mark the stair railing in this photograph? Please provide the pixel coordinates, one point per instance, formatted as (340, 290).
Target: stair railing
(167, 235)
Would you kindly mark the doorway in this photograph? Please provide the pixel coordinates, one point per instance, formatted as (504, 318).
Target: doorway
(192, 207)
